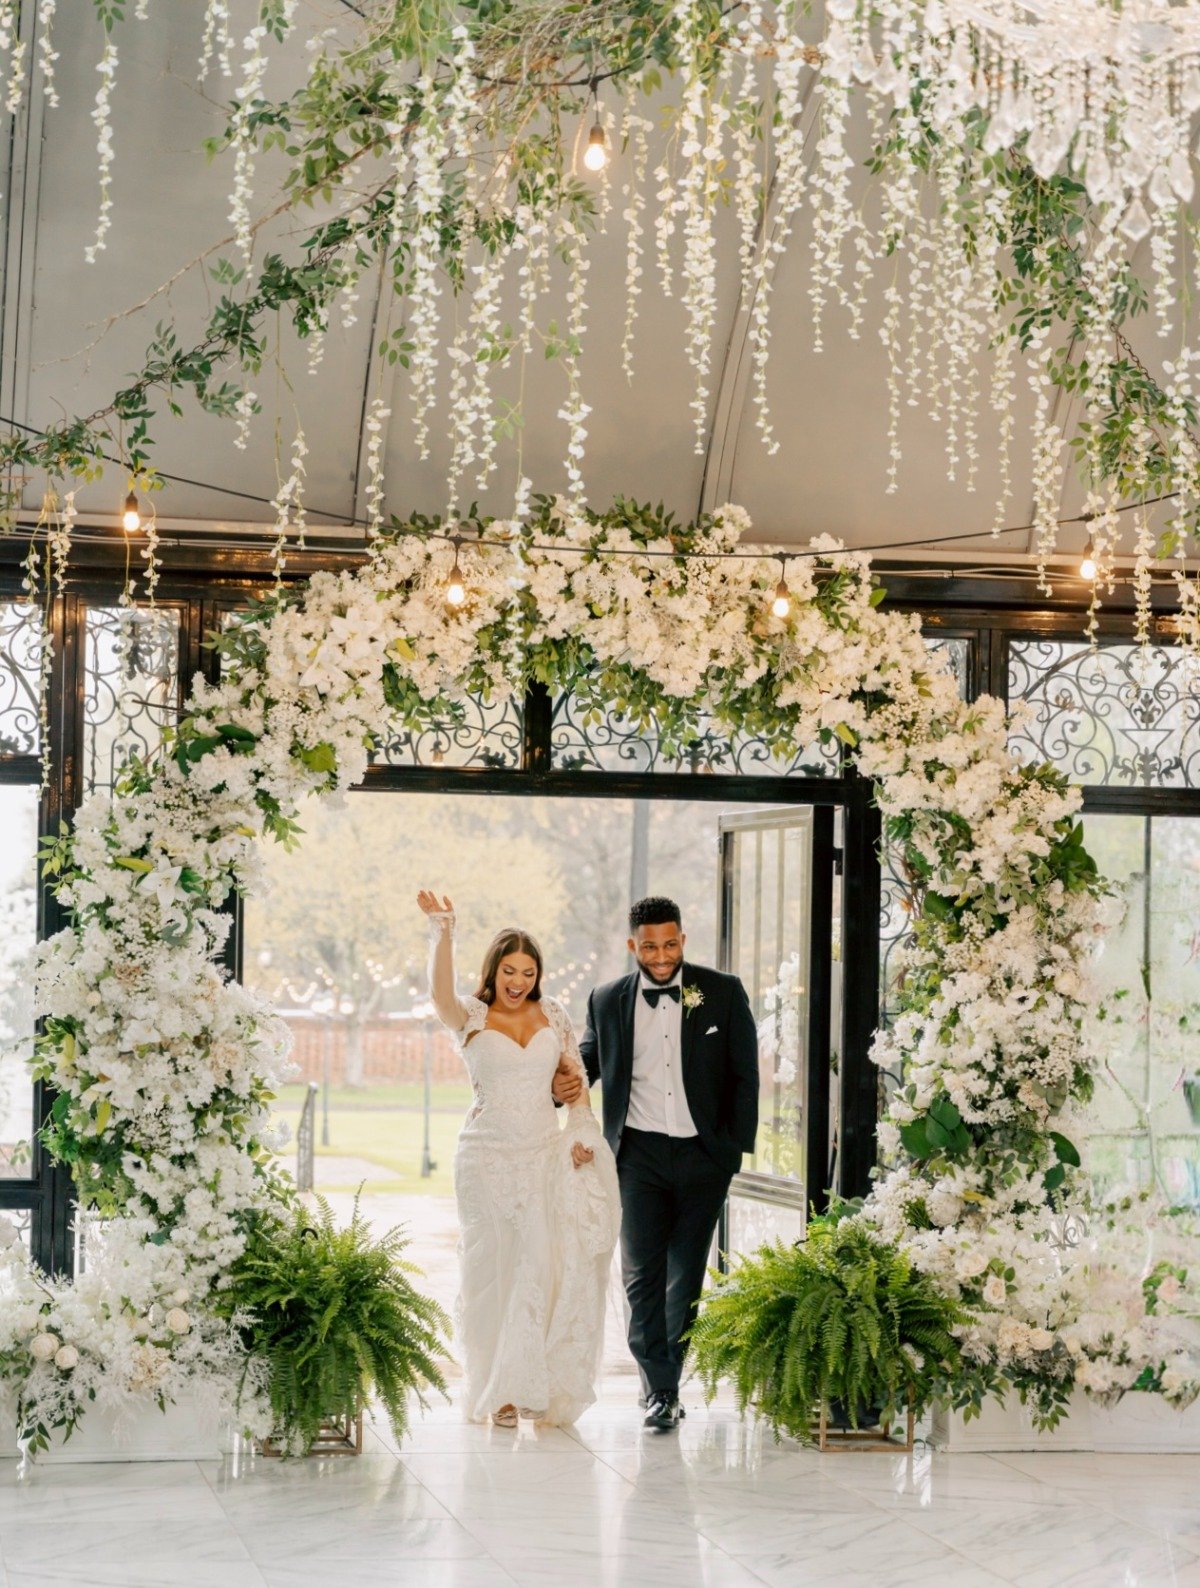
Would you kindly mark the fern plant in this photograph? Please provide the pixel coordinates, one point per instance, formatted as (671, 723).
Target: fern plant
(337, 1320)
(843, 1317)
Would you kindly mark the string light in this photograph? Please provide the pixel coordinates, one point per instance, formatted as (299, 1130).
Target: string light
(595, 156)
(782, 604)
(131, 515)
(456, 589)
(1087, 568)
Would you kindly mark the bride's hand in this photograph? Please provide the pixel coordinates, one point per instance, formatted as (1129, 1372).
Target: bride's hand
(581, 1154)
(429, 903)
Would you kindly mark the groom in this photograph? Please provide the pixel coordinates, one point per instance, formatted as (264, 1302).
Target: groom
(677, 1050)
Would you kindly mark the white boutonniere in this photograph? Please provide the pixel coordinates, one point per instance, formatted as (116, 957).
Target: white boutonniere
(692, 997)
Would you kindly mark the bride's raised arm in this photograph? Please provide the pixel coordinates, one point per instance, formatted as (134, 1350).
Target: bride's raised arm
(450, 1008)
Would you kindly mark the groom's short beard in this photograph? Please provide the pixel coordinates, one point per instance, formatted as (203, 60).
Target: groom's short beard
(660, 976)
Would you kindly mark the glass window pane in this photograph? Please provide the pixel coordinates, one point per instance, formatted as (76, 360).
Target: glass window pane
(20, 658)
(956, 648)
(770, 951)
(18, 939)
(1115, 715)
(1143, 1127)
(132, 692)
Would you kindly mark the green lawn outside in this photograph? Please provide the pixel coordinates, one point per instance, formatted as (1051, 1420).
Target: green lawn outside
(389, 1138)
(453, 1094)
(383, 1126)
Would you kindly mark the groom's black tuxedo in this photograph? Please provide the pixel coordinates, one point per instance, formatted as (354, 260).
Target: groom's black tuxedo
(719, 1043)
(674, 1186)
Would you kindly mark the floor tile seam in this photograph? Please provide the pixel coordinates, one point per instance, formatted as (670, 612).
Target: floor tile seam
(926, 1538)
(1017, 1581)
(505, 1576)
(1061, 1496)
(1104, 1509)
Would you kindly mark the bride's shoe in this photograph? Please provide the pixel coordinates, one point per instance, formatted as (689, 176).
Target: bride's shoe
(531, 1416)
(506, 1417)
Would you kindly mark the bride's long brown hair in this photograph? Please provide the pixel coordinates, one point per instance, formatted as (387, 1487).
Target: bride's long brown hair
(509, 940)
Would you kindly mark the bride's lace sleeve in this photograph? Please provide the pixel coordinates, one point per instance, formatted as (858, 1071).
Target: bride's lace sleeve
(561, 1021)
(451, 1010)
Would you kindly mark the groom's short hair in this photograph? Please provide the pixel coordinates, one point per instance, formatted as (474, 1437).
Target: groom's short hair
(654, 911)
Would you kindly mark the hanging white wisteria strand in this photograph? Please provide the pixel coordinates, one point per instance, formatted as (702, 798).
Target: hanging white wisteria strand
(634, 131)
(216, 49)
(574, 411)
(1003, 287)
(700, 141)
(47, 57)
(288, 503)
(250, 85)
(15, 49)
(102, 121)
(424, 290)
(377, 414)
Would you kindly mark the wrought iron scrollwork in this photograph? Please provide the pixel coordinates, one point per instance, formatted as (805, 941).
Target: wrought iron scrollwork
(479, 733)
(20, 665)
(583, 740)
(1115, 715)
(132, 688)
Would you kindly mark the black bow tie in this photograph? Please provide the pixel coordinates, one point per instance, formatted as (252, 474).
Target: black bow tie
(653, 994)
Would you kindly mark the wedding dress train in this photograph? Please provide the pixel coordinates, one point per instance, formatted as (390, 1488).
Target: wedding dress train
(536, 1233)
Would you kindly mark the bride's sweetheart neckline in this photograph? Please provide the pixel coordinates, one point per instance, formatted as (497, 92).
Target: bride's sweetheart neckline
(522, 1045)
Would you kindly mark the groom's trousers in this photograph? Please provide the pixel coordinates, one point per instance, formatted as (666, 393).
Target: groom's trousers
(672, 1193)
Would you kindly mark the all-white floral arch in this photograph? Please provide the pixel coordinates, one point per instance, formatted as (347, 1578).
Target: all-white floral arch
(165, 1068)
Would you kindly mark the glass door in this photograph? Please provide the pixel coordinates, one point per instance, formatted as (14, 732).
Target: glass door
(777, 919)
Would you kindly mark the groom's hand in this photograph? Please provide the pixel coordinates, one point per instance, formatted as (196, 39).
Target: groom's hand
(567, 1085)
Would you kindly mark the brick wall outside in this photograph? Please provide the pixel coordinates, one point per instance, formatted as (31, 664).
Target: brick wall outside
(392, 1053)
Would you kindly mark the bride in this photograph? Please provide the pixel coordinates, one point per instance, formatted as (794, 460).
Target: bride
(538, 1206)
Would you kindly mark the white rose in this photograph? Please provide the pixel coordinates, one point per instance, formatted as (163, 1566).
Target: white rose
(1041, 1339)
(178, 1321)
(9, 1234)
(1069, 983)
(970, 1265)
(66, 1357)
(180, 1298)
(1168, 1289)
(43, 1346)
(994, 1290)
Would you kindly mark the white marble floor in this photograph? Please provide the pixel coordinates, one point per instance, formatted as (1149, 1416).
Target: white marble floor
(718, 1505)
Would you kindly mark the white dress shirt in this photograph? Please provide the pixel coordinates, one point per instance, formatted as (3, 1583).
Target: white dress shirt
(657, 1100)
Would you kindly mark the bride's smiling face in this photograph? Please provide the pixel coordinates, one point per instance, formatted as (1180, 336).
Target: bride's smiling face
(516, 977)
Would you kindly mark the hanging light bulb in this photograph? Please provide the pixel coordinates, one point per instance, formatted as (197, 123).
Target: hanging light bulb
(782, 603)
(595, 156)
(456, 590)
(1087, 568)
(131, 515)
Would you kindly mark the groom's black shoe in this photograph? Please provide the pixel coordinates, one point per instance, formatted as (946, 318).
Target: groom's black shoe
(682, 1407)
(662, 1412)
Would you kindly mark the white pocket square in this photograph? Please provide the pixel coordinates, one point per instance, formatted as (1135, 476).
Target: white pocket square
(711, 1032)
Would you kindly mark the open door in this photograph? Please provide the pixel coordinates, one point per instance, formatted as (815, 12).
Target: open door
(779, 915)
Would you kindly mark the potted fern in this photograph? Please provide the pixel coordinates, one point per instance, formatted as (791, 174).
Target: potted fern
(336, 1319)
(842, 1317)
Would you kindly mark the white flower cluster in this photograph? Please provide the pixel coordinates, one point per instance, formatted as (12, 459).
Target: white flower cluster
(165, 1063)
(125, 1335)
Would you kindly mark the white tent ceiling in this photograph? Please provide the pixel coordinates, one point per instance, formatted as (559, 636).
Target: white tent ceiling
(72, 331)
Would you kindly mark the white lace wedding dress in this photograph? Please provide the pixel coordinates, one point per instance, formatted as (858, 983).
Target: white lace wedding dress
(536, 1234)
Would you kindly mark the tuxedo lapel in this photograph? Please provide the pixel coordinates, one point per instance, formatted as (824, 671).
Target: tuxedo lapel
(688, 1026)
(626, 1008)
